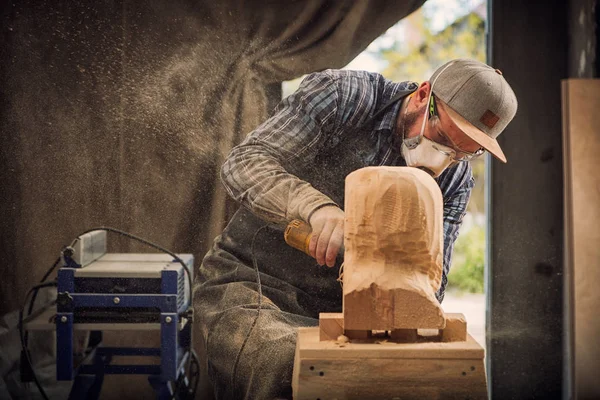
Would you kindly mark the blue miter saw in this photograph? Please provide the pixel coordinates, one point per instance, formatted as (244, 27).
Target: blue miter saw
(100, 291)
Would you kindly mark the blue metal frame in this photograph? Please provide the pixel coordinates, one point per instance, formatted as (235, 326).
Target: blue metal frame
(174, 346)
(166, 303)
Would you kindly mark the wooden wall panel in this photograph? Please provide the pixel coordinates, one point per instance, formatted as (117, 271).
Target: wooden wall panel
(581, 144)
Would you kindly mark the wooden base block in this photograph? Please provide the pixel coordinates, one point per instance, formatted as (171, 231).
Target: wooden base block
(329, 370)
(331, 325)
(456, 328)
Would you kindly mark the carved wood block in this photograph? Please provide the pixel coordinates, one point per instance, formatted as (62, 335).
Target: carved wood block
(394, 250)
(331, 325)
(456, 328)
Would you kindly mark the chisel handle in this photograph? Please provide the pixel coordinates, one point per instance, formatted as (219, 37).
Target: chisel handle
(297, 234)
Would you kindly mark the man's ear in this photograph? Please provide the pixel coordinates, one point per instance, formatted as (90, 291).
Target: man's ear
(422, 94)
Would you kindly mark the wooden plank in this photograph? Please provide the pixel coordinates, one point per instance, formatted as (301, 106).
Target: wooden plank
(296, 370)
(312, 348)
(388, 378)
(581, 102)
(362, 371)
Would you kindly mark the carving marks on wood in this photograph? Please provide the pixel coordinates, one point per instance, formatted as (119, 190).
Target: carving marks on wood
(394, 249)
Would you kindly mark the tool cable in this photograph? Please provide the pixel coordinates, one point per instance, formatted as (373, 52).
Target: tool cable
(259, 304)
(24, 349)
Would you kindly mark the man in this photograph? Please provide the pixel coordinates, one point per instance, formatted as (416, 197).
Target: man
(253, 289)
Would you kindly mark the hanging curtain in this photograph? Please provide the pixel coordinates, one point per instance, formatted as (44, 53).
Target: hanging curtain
(120, 113)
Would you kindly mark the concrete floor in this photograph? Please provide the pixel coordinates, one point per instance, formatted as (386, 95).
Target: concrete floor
(472, 305)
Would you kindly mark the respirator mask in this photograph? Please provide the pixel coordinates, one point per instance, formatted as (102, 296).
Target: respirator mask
(424, 153)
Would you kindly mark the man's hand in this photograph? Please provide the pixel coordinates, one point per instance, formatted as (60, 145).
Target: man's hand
(327, 225)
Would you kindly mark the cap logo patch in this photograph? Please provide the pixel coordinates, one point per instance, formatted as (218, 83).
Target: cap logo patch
(489, 119)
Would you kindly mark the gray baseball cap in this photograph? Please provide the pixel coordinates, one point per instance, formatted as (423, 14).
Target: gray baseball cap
(480, 101)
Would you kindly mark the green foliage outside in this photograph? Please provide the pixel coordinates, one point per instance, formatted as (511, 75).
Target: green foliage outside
(464, 38)
(466, 273)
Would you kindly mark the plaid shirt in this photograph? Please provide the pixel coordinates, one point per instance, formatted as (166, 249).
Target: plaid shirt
(264, 172)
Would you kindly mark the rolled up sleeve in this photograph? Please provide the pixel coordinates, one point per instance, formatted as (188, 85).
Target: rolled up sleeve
(255, 172)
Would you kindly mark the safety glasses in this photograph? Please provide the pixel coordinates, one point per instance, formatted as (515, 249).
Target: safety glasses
(453, 151)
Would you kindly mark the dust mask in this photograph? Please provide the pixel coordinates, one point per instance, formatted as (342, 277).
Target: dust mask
(424, 153)
(427, 155)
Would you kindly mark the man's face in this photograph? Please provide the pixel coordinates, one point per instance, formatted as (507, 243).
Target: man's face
(443, 131)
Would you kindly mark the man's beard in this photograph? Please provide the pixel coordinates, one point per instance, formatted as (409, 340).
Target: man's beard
(410, 119)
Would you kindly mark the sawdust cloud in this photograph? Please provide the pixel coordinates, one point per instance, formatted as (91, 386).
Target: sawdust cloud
(91, 76)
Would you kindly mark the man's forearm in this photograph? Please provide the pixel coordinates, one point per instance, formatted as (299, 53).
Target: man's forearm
(256, 171)
(259, 182)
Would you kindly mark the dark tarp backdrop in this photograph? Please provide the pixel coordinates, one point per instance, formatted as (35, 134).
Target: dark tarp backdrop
(120, 113)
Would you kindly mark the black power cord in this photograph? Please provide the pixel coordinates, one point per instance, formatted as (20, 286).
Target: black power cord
(260, 295)
(24, 349)
(195, 375)
(33, 298)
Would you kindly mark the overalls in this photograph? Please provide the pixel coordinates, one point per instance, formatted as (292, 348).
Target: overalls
(249, 331)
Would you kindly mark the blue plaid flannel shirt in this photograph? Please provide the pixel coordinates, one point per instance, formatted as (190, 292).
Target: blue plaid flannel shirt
(327, 106)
